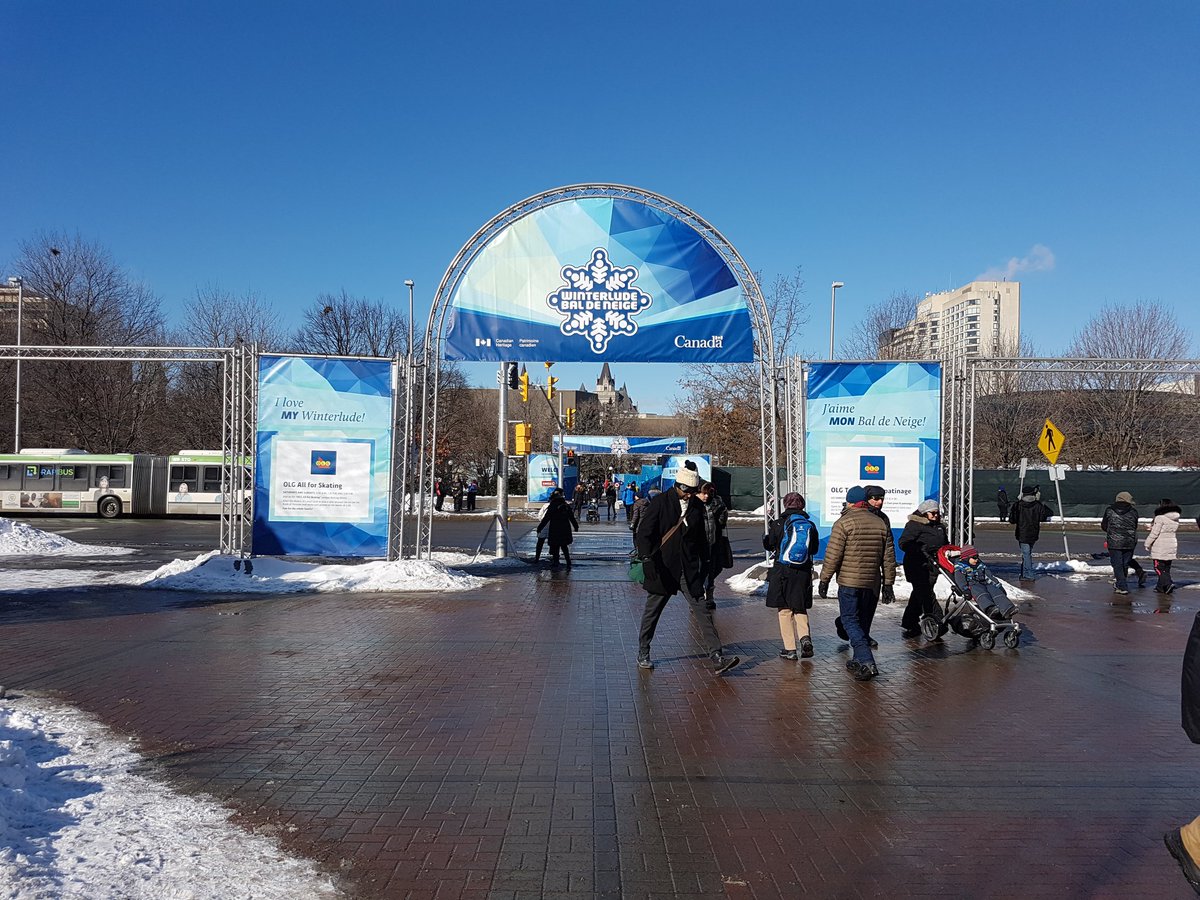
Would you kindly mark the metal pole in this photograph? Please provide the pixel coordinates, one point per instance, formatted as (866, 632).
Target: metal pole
(1062, 519)
(502, 466)
(409, 373)
(562, 474)
(17, 411)
(832, 310)
(802, 387)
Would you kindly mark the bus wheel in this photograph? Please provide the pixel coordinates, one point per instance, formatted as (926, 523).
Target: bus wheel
(109, 507)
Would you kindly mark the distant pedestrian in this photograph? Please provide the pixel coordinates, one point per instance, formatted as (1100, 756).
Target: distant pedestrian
(720, 553)
(1002, 503)
(460, 493)
(1162, 544)
(472, 491)
(1028, 514)
(1119, 523)
(861, 555)
(628, 498)
(559, 525)
(579, 499)
(672, 542)
(924, 534)
(439, 494)
(610, 499)
(639, 510)
(1184, 843)
(792, 540)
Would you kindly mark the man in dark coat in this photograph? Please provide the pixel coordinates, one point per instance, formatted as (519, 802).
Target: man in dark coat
(1184, 843)
(1002, 504)
(923, 535)
(558, 523)
(1028, 514)
(1120, 528)
(671, 539)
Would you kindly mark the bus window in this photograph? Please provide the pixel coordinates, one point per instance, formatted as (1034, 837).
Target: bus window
(212, 479)
(73, 478)
(38, 477)
(113, 476)
(182, 475)
(10, 477)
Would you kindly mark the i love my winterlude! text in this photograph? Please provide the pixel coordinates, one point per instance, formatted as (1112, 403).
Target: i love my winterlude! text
(294, 409)
(845, 414)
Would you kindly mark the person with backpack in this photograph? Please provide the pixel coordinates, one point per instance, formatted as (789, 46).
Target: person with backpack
(924, 534)
(792, 540)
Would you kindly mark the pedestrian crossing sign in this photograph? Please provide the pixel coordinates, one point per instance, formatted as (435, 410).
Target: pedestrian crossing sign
(1051, 441)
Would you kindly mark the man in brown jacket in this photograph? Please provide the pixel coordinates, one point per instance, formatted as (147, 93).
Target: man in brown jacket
(860, 553)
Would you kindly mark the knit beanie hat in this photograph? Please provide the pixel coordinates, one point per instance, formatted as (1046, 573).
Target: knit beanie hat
(856, 494)
(793, 501)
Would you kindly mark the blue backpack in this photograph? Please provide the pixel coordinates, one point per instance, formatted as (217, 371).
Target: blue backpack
(793, 546)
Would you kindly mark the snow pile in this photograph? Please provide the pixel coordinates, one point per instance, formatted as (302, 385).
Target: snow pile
(458, 558)
(76, 823)
(19, 539)
(214, 574)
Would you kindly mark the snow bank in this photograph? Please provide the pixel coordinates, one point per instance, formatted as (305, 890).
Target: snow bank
(75, 822)
(210, 572)
(19, 539)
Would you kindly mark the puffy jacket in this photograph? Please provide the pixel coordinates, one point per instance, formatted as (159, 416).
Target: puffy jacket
(860, 549)
(920, 541)
(1161, 543)
(1120, 525)
(1028, 514)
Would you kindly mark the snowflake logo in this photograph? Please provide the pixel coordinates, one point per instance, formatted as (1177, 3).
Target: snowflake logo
(599, 300)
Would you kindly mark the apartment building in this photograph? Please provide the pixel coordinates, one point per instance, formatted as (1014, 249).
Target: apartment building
(982, 318)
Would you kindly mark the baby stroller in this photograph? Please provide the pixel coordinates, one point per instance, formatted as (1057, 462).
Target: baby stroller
(593, 513)
(963, 615)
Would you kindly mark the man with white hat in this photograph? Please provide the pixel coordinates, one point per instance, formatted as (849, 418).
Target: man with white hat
(673, 544)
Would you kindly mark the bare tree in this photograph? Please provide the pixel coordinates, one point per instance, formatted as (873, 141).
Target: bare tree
(869, 340)
(1132, 419)
(344, 325)
(79, 296)
(1009, 411)
(727, 396)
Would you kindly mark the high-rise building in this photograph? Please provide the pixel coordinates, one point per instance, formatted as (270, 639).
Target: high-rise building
(982, 318)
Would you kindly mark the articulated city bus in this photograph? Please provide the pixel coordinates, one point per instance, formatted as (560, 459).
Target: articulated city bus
(64, 482)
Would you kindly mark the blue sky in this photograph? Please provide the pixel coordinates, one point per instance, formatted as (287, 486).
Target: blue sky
(295, 148)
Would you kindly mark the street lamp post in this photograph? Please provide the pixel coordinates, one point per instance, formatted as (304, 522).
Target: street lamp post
(832, 312)
(405, 464)
(19, 283)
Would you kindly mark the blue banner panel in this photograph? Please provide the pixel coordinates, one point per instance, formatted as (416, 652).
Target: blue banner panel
(872, 423)
(324, 463)
(617, 444)
(599, 278)
(651, 477)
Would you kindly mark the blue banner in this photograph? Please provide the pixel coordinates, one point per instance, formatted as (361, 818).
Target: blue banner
(872, 423)
(324, 462)
(541, 477)
(599, 278)
(618, 444)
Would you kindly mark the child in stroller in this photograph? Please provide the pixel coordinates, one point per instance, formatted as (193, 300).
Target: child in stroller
(593, 513)
(978, 608)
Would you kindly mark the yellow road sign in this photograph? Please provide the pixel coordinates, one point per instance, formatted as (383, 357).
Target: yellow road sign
(1051, 442)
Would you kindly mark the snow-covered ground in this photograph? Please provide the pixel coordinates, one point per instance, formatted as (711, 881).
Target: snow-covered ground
(19, 539)
(77, 822)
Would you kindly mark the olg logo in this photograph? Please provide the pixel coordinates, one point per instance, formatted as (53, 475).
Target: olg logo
(324, 462)
(872, 468)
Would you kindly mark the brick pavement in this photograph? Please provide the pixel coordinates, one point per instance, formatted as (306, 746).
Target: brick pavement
(504, 744)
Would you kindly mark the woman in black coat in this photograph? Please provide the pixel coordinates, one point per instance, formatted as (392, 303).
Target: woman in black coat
(559, 524)
(923, 535)
(1184, 843)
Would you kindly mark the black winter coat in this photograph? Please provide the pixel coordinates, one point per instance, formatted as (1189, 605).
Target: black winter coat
(560, 523)
(682, 559)
(1120, 525)
(1028, 514)
(1191, 683)
(920, 542)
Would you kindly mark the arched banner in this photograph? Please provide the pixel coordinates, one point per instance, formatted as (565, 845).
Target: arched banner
(590, 278)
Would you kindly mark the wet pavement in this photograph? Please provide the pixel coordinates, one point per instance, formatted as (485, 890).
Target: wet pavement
(503, 743)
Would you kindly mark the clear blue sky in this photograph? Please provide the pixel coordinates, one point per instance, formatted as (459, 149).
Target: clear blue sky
(294, 148)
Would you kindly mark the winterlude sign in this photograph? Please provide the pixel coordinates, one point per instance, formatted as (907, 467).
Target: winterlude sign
(599, 277)
(872, 423)
(324, 456)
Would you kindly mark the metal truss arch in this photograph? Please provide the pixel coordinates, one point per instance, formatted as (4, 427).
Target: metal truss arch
(436, 328)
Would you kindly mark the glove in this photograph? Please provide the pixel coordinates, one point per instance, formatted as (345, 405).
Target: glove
(888, 594)
(823, 589)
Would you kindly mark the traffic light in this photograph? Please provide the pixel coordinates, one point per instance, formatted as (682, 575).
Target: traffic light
(524, 441)
(550, 383)
(570, 457)
(570, 417)
(523, 386)
(514, 380)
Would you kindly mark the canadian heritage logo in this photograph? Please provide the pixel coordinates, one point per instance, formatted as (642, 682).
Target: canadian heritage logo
(599, 300)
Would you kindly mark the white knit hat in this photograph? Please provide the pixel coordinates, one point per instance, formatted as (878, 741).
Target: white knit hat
(688, 478)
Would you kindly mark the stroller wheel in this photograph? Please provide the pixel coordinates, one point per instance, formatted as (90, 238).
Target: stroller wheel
(1012, 637)
(987, 640)
(931, 628)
